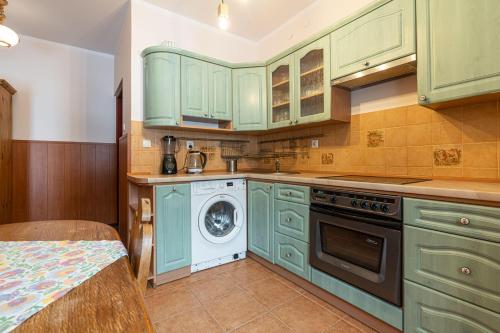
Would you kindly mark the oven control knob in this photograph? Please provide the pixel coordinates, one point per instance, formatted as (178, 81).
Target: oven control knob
(364, 204)
(374, 206)
(354, 203)
(384, 208)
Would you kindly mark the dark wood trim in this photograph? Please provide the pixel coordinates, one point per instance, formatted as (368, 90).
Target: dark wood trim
(362, 316)
(65, 142)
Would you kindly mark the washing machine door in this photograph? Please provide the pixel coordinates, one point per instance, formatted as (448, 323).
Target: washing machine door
(221, 218)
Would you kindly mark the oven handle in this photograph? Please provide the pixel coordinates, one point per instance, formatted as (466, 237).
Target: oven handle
(359, 217)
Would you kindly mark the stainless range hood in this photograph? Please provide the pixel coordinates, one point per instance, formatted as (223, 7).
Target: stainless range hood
(391, 70)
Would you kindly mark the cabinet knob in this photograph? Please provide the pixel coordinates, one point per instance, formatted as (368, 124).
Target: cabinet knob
(464, 221)
(296, 122)
(174, 189)
(177, 123)
(206, 114)
(288, 255)
(291, 122)
(465, 270)
(212, 116)
(288, 219)
(367, 63)
(288, 193)
(422, 98)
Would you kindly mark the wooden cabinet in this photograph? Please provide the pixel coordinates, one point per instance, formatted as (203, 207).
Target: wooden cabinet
(458, 47)
(312, 82)
(172, 227)
(162, 99)
(220, 92)
(249, 99)
(260, 219)
(292, 219)
(292, 193)
(281, 104)
(292, 255)
(426, 310)
(381, 35)
(6, 92)
(194, 87)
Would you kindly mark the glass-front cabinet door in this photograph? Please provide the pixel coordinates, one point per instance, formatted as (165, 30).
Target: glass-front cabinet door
(312, 82)
(280, 84)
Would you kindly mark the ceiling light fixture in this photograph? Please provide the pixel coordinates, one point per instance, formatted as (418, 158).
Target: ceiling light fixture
(8, 37)
(223, 16)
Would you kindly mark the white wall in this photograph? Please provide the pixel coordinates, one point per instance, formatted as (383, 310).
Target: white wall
(64, 93)
(151, 25)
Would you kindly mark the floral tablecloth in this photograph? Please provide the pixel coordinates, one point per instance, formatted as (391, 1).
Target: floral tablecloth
(34, 274)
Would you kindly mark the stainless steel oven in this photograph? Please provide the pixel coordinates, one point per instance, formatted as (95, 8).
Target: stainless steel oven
(356, 237)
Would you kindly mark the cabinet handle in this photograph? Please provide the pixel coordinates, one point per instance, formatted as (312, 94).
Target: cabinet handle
(423, 98)
(291, 122)
(174, 189)
(464, 221)
(367, 64)
(177, 123)
(206, 114)
(289, 194)
(212, 116)
(465, 270)
(296, 122)
(288, 219)
(288, 255)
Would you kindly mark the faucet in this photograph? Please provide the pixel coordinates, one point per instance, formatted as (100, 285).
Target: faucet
(277, 165)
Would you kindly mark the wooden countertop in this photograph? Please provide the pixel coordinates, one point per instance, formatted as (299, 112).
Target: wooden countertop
(454, 190)
(110, 301)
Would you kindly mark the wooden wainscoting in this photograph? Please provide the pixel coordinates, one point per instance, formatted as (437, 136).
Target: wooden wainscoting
(64, 180)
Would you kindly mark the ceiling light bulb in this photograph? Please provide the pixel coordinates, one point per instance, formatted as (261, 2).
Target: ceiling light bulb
(8, 37)
(223, 19)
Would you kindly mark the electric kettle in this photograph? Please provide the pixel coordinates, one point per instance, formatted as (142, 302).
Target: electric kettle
(195, 161)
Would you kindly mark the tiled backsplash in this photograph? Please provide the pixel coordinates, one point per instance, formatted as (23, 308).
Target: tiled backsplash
(462, 142)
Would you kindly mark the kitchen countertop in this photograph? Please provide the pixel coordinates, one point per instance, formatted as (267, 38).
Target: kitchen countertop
(445, 189)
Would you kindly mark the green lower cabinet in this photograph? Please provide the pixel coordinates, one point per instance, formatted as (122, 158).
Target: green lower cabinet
(249, 99)
(371, 304)
(427, 310)
(292, 255)
(172, 227)
(260, 219)
(292, 219)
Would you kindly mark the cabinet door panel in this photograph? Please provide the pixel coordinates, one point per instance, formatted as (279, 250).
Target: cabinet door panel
(383, 34)
(194, 80)
(292, 219)
(281, 103)
(260, 219)
(458, 47)
(292, 193)
(249, 99)
(220, 92)
(172, 227)
(162, 104)
(292, 255)
(312, 82)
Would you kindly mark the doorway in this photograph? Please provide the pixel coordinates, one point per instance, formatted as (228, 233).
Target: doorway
(122, 148)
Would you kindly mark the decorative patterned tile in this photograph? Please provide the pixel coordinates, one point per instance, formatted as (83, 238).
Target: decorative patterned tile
(374, 138)
(447, 156)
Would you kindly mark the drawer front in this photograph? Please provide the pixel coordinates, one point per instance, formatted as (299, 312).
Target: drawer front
(292, 219)
(426, 310)
(463, 267)
(292, 193)
(292, 255)
(466, 220)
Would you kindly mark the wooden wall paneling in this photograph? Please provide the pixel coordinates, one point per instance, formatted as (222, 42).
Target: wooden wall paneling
(55, 181)
(113, 186)
(20, 182)
(37, 181)
(72, 185)
(87, 182)
(123, 199)
(105, 183)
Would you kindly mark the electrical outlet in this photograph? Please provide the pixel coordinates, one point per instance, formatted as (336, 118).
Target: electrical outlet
(314, 143)
(146, 143)
(189, 145)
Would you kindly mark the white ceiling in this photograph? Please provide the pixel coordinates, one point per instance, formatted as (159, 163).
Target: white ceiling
(90, 24)
(250, 19)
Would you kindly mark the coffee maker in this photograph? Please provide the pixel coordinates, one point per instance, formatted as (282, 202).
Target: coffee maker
(169, 165)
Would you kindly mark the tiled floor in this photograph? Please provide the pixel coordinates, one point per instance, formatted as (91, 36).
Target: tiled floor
(243, 297)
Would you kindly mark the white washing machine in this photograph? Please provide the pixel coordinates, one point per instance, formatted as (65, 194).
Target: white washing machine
(218, 222)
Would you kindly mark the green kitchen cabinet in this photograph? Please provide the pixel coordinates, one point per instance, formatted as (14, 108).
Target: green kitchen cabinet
(194, 87)
(312, 82)
(220, 92)
(260, 219)
(281, 101)
(427, 310)
(383, 34)
(292, 254)
(458, 49)
(249, 99)
(292, 193)
(172, 227)
(162, 101)
(292, 219)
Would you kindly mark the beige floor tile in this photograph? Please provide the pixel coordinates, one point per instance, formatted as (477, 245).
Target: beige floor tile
(305, 316)
(249, 273)
(162, 305)
(167, 287)
(234, 310)
(271, 292)
(343, 327)
(326, 305)
(193, 320)
(265, 324)
(358, 324)
(215, 288)
(289, 284)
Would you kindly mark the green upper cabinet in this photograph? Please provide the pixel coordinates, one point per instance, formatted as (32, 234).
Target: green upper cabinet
(312, 82)
(172, 227)
(220, 92)
(383, 34)
(162, 101)
(260, 219)
(458, 49)
(194, 87)
(249, 99)
(280, 76)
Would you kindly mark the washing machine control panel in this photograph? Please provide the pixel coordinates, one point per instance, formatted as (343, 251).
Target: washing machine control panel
(217, 185)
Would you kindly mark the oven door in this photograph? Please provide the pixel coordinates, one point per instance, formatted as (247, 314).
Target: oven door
(362, 251)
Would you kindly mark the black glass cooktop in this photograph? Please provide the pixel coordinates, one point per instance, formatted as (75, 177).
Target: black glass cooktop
(378, 179)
